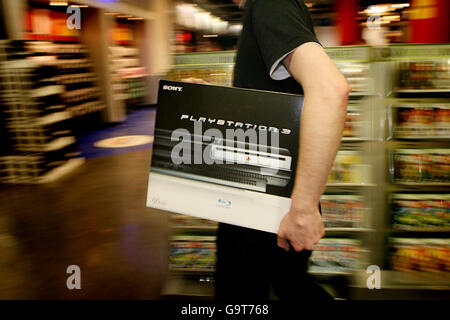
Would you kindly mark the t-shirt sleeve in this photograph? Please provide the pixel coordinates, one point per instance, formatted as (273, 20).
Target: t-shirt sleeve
(280, 27)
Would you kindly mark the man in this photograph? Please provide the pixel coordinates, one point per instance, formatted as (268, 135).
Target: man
(278, 51)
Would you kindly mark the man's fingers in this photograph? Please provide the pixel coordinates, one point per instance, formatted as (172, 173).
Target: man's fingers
(297, 247)
(282, 243)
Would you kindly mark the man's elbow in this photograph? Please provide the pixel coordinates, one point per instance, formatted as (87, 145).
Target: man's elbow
(333, 90)
(341, 90)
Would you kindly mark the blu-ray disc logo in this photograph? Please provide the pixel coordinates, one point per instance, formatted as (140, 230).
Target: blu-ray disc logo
(221, 203)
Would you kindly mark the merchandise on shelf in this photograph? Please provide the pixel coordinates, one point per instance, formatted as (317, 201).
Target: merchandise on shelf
(32, 167)
(127, 75)
(181, 220)
(342, 211)
(422, 212)
(73, 71)
(336, 255)
(354, 64)
(218, 76)
(424, 75)
(36, 118)
(353, 123)
(421, 166)
(431, 255)
(348, 168)
(356, 74)
(192, 253)
(421, 121)
(215, 68)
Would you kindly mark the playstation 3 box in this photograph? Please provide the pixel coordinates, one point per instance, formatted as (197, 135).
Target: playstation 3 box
(224, 154)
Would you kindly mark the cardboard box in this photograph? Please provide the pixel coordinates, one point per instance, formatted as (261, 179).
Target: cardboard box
(225, 154)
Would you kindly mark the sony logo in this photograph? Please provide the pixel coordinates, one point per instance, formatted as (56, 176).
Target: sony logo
(172, 88)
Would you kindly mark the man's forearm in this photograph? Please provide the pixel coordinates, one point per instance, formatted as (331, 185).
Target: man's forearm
(322, 122)
(321, 128)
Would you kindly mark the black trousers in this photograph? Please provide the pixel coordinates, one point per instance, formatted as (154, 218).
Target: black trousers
(250, 265)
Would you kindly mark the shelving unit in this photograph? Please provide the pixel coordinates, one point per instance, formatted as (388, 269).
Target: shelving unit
(74, 72)
(128, 76)
(417, 156)
(36, 119)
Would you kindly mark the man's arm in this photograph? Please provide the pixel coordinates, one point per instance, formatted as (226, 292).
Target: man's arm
(322, 124)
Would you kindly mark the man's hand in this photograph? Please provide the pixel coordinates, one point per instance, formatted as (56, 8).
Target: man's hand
(303, 227)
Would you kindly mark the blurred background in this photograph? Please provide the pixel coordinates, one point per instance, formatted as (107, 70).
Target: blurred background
(78, 91)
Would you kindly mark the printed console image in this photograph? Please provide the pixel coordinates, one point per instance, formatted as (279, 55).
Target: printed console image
(224, 162)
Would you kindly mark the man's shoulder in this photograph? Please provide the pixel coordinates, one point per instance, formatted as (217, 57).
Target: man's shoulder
(277, 3)
(268, 8)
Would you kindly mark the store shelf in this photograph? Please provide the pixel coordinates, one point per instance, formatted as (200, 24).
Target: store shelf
(362, 94)
(416, 280)
(191, 271)
(423, 137)
(422, 91)
(399, 229)
(46, 91)
(53, 118)
(348, 230)
(350, 184)
(52, 175)
(84, 108)
(425, 184)
(57, 144)
(185, 287)
(194, 228)
(60, 171)
(354, 139)
(328, 272)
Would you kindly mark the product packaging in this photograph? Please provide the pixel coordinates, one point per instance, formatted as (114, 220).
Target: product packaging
(224, 154)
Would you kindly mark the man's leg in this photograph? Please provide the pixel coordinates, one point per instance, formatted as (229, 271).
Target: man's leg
(291, 280)
(242, 263)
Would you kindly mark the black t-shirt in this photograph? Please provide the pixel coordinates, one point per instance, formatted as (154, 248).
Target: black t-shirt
(271, 30)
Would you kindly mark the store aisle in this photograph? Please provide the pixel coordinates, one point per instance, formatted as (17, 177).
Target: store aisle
(94, 218)
(134, 134)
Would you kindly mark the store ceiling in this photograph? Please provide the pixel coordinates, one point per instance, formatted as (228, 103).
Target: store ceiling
(226, 10)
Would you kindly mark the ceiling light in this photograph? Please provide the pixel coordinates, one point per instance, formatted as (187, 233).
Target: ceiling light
(400, 5)
(59, 3)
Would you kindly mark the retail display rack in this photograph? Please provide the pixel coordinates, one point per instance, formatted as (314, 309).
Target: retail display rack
(418, 162)
(192, 246)
(213, 67)
(36, 117)
(127, 75)
(74, 71)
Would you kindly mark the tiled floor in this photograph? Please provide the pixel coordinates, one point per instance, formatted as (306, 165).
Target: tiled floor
(95, 218)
